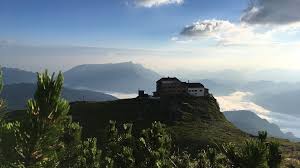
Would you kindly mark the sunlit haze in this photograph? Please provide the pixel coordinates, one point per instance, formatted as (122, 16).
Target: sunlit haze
(243, 53)
(162, 35)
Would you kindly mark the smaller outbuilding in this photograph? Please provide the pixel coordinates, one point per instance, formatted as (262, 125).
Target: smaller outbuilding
(196, 89)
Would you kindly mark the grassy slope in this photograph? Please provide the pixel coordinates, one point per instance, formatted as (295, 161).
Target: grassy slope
(291, 152)
(194, 122)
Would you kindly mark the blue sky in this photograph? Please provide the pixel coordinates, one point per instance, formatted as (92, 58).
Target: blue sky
(105, 23)
(172, 34)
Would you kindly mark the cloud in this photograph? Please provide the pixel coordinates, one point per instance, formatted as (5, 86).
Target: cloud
(276, 12)
(222, 31)
(238, 101)
(206, 27)
(264, 22)
(155, 3)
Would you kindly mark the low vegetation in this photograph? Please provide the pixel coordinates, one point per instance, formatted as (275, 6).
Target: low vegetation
(46, 136)
(193, 122)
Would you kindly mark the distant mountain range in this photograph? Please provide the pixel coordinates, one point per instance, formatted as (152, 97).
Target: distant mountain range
(128, 77)
(220, 88)
(14, 75)
(249, 122)
(278, 75)
(259, 88)
(282, 102)
(16, 95)
(122, 77)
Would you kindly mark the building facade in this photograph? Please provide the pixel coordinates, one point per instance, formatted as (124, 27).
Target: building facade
(169, 86)
(173, 86)
(196, 89)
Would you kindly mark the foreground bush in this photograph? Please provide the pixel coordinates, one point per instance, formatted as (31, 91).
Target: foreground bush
(47, 137)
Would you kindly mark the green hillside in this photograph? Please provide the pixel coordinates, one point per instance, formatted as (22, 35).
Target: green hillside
(194, 122)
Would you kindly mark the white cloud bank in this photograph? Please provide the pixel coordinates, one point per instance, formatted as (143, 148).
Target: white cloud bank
(238, 101)
(263, 22)
(224, 32)
(272, 12)
(155, 3)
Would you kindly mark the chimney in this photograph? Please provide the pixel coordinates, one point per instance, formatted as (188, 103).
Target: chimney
(141, 93)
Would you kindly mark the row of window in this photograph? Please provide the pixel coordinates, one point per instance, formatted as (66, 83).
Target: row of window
(195, 90)
(172, 88)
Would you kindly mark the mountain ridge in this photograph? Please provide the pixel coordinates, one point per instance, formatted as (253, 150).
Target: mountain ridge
(254, 123)
(16, 95)
(124, 77)
(15, 75)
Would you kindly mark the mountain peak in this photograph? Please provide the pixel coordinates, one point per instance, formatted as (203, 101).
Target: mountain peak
(15, 75)
(125, 77)
(251, 123)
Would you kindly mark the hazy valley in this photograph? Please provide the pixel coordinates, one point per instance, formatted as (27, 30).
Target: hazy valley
(123, 80)
(149, 84)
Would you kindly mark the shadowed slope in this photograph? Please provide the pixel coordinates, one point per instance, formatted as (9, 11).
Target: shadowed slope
(194, 122)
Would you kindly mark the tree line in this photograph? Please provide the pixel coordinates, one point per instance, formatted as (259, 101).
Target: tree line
(47, 137)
